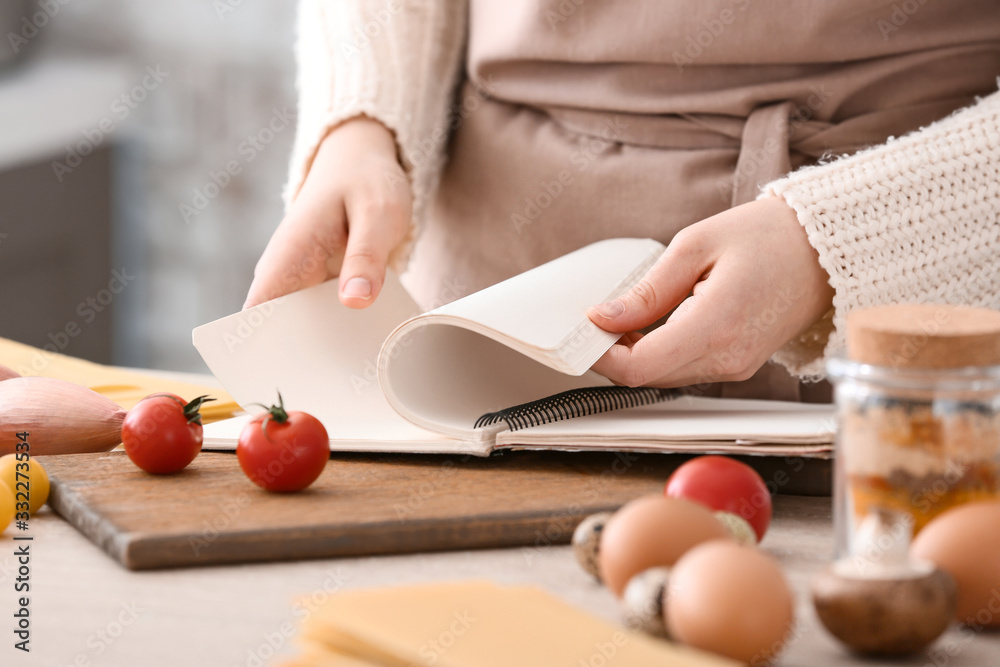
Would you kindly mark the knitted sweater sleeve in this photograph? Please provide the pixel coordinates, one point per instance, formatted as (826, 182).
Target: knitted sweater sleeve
(396, 61)
(916, 219)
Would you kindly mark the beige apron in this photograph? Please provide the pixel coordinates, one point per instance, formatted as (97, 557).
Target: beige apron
(587, 119)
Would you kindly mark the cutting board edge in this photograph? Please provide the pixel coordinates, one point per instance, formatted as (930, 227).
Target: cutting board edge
(100, 531)
(157, 552)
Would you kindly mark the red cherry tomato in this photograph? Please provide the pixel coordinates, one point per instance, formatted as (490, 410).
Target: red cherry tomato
(724, 485)
(162, 433)
(283, 451)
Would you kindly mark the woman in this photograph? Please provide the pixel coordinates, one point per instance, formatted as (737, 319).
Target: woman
(688, 122)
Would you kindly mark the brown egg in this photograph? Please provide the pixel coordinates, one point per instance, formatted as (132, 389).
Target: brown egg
(652, 531)
(730, 599)
(965, 542)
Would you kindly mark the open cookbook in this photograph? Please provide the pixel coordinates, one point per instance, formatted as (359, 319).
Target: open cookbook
(506, 367)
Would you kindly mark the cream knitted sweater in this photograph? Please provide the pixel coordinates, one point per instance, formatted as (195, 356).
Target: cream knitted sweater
(914, 220)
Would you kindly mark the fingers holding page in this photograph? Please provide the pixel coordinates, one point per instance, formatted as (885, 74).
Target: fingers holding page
(664, 286)
(640, 360)
(755, 283)
(353, 209)
(377, 222)
(672, 355)
(300, 252)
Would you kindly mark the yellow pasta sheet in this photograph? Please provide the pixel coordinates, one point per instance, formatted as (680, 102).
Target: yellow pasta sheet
(123, 386)
(476, 624)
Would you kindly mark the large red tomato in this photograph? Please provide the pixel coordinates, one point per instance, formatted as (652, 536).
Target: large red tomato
(162, 434)
(283, 451)
(724, 485)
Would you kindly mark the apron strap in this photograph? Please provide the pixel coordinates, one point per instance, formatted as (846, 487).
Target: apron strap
(763, 151)
(764, 156)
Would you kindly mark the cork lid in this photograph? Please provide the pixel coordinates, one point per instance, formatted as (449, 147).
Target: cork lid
(924, 336)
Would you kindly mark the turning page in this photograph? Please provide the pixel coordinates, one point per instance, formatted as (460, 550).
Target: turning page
(520, 340)
(508, 359)
(323, 358)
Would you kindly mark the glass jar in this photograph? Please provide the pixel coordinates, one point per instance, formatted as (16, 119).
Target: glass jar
(913, 441)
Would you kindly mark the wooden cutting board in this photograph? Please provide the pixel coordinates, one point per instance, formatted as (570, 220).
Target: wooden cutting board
(361, 505)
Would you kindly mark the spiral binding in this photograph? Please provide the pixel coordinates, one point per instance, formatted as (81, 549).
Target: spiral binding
(575, 403)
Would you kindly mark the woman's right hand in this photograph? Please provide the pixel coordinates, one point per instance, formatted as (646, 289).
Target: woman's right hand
(353, 209)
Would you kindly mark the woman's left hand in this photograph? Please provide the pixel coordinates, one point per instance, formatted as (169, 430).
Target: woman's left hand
(740, 284)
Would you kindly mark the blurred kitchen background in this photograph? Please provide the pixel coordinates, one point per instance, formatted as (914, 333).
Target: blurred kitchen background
(143, 149)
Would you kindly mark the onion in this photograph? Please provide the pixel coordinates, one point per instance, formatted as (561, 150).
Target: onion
(60, 417)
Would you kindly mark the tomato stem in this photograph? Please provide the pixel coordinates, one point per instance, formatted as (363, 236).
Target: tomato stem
(191, 409)
(278, 412)
(275, 413)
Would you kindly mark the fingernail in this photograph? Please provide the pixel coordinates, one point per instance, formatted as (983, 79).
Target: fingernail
(610, 310)
(358, 288)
